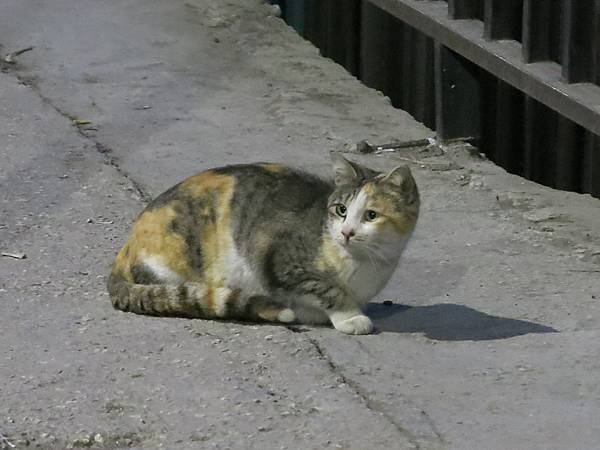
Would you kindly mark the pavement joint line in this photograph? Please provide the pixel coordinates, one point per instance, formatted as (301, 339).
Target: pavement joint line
(369, 403)
(100, 148)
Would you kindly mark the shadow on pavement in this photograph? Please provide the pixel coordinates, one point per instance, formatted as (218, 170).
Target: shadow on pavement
(448, 322)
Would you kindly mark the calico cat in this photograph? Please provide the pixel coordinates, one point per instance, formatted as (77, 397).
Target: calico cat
(268, 242)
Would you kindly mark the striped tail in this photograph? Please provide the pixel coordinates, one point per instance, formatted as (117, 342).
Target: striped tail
(183, 300)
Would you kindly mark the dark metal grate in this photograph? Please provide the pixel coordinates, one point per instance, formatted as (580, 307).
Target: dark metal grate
(518, 77)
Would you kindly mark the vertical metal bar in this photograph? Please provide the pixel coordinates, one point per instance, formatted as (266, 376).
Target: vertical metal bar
(350, 10)
(578, 38)
(568, 154)
(539, 135)
(508, 127)
(373, 37)
(503, 19)
(457, 92)
(555, 25)
(590, 180)
(294, 14)
(397, 76)
(536, 30)
(489, 116)
(595, 168)
(478, 10)
(529, 136)
(314, 25)
(345, 33)
(332, 30)
(461, 9)
(596, 43)
(407, 72)
(423, 109)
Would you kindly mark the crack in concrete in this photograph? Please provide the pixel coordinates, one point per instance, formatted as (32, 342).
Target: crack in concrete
(100, 148)
(371, 404)
(111, 161)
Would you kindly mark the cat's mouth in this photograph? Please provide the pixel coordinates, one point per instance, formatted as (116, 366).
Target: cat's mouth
(351, 245)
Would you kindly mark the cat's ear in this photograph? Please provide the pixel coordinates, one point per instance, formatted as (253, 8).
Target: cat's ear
(347, 172)
(402, 178)
(398, 175)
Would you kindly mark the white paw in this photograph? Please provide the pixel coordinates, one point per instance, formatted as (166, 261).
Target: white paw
(286, 316)
(358, 324)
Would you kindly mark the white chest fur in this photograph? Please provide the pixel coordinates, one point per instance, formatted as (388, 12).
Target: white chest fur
(241, 275)
(366, 275)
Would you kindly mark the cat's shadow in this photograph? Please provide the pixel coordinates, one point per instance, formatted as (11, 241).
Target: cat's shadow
(448, 322)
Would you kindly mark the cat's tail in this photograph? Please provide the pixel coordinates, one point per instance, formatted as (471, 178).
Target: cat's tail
(184, 300)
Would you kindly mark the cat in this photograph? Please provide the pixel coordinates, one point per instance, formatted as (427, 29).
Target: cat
(266, 242)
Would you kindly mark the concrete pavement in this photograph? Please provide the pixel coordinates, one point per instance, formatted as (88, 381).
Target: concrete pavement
(492, 340)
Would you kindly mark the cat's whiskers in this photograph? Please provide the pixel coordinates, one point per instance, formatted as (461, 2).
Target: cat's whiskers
(383, 250)
(376, 250)
(370, 253)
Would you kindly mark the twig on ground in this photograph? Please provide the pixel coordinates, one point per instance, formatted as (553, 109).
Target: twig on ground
(6, 441)
(10, 58)
(366, 147)
(416, 161)
(14, 255)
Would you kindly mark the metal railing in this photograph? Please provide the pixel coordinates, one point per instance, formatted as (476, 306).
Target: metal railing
(519, 78)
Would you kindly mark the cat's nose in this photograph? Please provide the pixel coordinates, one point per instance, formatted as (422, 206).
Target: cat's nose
(348, 234)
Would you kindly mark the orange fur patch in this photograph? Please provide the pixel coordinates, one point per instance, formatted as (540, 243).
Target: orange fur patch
(170, 247)
(276, 168)
(216, 239)
(151, 235)
(331, 256)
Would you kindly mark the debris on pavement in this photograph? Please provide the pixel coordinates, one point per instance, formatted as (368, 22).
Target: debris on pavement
(10, 57)
(4, 440)
(14, 255)
(365, 147)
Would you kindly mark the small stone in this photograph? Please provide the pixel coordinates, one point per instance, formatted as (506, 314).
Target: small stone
(269, 337)
(274, 10)
(81, 441)
(477, 182)
(98, 439)
(541, 215)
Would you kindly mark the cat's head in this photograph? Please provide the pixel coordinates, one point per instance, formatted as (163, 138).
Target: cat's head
(370, 211)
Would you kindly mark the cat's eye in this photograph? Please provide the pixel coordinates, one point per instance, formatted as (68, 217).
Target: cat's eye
(371, 215)
(340, 210)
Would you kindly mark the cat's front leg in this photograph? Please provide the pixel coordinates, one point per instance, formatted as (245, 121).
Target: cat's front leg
(316, 290)
(335, 302)
(351, 322)
(261, 307)
(339, 305)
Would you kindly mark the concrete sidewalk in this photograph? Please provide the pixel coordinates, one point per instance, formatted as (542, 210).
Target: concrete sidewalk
(493, 338)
